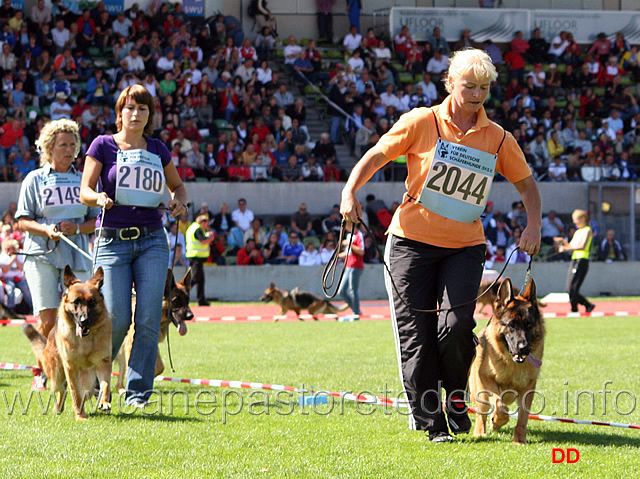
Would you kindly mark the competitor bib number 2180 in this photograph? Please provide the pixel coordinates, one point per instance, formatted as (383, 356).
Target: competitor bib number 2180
(140, 178)
(458, 182)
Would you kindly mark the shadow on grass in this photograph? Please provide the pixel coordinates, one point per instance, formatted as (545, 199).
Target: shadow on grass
(584, 438)
(163, 417)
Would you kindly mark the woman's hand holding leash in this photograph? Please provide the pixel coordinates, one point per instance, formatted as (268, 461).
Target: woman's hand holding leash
(350, 207)
(177, 208)
(104, 201)
(53, 232)
(530, 240)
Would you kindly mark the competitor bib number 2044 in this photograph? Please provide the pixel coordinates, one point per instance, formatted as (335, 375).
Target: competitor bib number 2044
(458, 181)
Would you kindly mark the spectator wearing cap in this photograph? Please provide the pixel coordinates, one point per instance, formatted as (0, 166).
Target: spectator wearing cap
(311, 170)
(332, 222)
(60, 108)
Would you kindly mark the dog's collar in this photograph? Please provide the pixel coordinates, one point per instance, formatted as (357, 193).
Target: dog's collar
(535, 362)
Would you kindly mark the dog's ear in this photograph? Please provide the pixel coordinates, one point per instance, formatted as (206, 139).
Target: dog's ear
(272, 285)
(169, 283)
(186, 280)
(505, 292)
(98, 278)
(69, 277)
(530, 292)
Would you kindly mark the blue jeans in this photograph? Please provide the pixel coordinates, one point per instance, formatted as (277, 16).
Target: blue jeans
(349, 289)
(142, 262)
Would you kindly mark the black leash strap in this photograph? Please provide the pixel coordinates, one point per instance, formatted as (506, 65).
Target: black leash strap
(440, 310)
(332, 265)
(169, 306)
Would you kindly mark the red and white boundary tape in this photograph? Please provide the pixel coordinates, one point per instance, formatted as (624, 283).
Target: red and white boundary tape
(335, 317)
(362, 398)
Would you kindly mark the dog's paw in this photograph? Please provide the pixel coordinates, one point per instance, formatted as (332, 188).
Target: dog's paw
(105, 408)
(81, 417)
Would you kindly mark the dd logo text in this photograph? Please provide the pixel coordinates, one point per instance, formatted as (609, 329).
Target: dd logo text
(570, 455)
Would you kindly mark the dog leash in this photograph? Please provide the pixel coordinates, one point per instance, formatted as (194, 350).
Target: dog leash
(438, 310)
(96, 243)
(332, 265)
(169, 306)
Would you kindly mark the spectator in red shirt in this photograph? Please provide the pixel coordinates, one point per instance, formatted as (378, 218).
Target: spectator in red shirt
(331, 171)
(518, 44)
(79, 108)
(185, 172)
(171, 25)
(261, 129)
(516, 63)
(249, 255)
(12, 140)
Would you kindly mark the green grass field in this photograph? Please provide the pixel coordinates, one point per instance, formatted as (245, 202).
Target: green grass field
(271, 438)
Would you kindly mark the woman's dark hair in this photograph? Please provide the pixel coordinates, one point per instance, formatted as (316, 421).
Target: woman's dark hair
(141, 95)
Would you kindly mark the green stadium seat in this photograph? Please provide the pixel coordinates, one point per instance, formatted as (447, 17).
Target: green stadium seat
(334, 53)
(405, 78)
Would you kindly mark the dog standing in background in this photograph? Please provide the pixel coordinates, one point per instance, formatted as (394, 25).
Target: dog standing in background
(79, 346)
(508, 360)
(296, 300)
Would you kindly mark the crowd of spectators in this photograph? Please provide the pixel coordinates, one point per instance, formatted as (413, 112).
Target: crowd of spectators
(234, 108)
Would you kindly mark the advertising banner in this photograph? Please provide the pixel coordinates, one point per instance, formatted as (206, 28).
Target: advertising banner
(500, 24)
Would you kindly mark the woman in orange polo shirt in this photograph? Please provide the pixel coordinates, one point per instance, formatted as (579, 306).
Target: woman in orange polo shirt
(436, 246)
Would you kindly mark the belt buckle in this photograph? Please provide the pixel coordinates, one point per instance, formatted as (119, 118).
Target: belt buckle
(130, 233)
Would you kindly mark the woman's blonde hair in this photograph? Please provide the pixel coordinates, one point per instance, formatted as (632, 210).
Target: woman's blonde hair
(141, 95)
(470, 60)
(10, 243)
(47, 139)
(579, 214)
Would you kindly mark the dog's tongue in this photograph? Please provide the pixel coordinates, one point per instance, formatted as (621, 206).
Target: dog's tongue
(182, 329)
(78, 331)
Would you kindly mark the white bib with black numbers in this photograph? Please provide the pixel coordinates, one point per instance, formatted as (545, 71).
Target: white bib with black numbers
(140, 178)
(458, 181)
(61, 196)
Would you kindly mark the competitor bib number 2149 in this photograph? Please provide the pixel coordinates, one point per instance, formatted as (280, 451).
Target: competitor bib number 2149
(458, 182)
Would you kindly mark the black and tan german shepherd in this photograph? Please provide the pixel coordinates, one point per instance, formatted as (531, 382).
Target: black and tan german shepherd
(296, 300)
(79, 346)
(178, 292)
(508, 360)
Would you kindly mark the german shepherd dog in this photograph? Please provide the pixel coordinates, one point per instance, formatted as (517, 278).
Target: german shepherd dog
(79, 346)
(180, 313)
(490, 295)
(296, 300)
(508, 360)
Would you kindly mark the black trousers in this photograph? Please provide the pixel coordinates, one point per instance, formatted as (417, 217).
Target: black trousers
(435, 351)
(577, 272)
(197, 277)
(325, 26)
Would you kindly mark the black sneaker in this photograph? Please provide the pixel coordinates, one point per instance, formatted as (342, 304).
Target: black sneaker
(457, 416)
(440, 436)
(590, 307)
